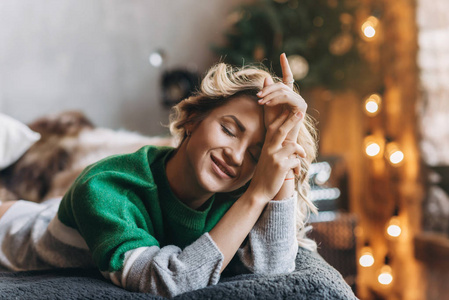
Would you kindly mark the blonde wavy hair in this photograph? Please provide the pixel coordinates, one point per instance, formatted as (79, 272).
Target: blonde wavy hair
(224, 82)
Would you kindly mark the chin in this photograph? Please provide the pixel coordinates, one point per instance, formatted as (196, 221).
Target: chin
(212, 185)
(234, 189)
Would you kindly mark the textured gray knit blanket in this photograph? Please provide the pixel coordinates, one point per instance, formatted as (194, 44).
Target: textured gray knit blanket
(312, 279)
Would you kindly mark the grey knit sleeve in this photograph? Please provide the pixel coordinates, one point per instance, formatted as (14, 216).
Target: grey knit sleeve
(271, 245)
(170, 271)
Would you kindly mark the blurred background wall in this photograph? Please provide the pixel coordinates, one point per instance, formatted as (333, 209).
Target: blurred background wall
(94, 56)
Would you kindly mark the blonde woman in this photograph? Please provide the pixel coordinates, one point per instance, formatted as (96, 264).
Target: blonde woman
(168, 221)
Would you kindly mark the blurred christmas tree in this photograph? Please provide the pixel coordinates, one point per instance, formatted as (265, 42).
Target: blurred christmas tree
(320, 37)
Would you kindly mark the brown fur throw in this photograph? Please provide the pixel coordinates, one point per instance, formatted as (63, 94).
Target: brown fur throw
(69, 143)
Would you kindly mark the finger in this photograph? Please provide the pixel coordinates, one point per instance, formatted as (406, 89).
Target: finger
(267, 82)
(299, 152)
(293, 150)
(297, 170)
(271, 88)
(287, 75)
(278, 121)
(291, 163)
(294, 103)
(294, 163)
(282, 97)
(294, 133)
(287, 155)
(278, 134)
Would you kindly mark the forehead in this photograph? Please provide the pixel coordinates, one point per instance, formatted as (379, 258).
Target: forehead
(244, 108)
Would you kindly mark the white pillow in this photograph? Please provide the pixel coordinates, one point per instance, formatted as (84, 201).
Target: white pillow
(15, 139)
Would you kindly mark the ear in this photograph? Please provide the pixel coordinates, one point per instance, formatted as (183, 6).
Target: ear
(188, 130)
(190, 127)
(193, 121)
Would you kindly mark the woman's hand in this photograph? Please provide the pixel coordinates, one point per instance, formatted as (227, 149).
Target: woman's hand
(277, 158)
(277, 97)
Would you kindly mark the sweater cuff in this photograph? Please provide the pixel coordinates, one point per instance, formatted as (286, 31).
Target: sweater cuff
(201, 253)
(278, 219)
(168, 271)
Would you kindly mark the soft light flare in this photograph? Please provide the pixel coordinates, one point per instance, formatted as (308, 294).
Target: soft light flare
(396, 157)
(385, 277)
(394, 230)
(369, 31)
(369, 27)
(394, 227)
(156, 59)
(372, 105)
(372, 149)
(366, 259)
(393, 153)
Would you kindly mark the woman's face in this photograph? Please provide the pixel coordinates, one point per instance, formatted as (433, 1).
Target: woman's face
(223, 149)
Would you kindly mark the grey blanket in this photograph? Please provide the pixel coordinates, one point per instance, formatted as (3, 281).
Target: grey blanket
(312, 279)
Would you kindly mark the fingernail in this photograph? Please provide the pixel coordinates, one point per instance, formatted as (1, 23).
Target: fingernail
(259, 93)
(260, 100)
(298, 114)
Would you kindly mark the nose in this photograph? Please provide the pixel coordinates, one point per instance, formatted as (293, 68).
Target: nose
(235, 154)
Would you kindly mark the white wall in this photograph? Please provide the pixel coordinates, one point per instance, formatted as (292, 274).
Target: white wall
(433, 61)
(93, 55)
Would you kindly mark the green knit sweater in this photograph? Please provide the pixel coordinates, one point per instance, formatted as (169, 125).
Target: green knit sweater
(124, 202)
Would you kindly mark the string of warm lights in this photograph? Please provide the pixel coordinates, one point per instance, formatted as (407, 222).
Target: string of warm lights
(378, 147)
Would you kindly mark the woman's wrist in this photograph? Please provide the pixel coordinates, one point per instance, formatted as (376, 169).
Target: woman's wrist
(254, 198)
(287, 188)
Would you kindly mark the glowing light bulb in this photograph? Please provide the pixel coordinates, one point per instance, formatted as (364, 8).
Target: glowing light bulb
(394, 230)
(396, 157)
(394, 227)
(372, 104)
(369, 27)
(366, 259)
(156, 58)
(385, 276)
(372, 149)
(369, 31)
(299, 66)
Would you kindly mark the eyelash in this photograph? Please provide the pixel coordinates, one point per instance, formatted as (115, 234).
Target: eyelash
(228, 132)
(253, 158)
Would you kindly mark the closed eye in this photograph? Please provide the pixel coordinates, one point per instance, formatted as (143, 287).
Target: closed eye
(253, 157)
(227, 131)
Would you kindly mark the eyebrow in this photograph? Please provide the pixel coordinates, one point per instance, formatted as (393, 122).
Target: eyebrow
(240, 126)
(237, 121)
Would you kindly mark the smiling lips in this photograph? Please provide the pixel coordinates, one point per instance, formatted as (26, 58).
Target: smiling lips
(223, 169)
